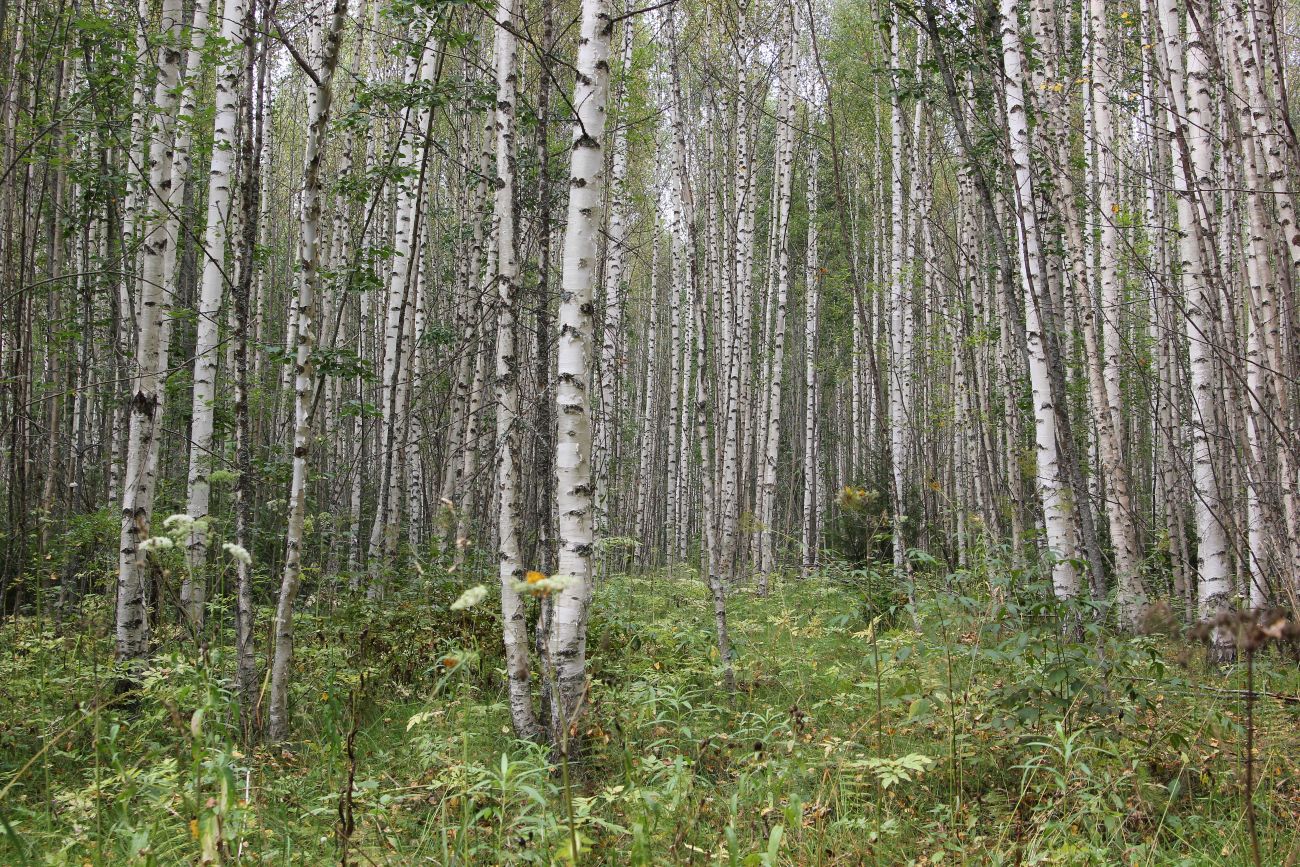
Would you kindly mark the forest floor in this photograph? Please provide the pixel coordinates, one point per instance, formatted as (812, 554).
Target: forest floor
(970, 734)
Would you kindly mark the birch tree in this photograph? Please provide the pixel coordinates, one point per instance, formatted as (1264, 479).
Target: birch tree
(321, 72)
(1053, 486)
(812, 279)
(140, 476)
(567, 642)
(776, 368)
(511, 568)
(213, 286)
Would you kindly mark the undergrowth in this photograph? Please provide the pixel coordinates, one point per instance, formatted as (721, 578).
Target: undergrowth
(966, 731)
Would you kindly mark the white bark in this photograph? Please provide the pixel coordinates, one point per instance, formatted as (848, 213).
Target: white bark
(899, 314)
(615, 289)
(1193, 159)
(463, 401)
(772, 436)
(1108, 408)
(679, 287)
(211, 291)
(514, 623)
(318, 111)
(132, 625)
(397, 323)
(483, 277)
(811, 464)
(645, 469)
(1060, 518)
(567, 642)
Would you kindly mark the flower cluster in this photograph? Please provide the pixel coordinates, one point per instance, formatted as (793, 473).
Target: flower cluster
(155, 543)
(181, 526)
(238, 552)
(469, 598)
(539, 584)
(853, 499)
(178, 524)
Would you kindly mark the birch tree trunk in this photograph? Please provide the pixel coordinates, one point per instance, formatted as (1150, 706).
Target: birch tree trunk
(212, 289)
(1059, 515)
(899, 313)
(1110, 413)
(321, 97)
(567, 642)
(401, 283)
(1193, 158)
(132, 622)
(645, 469)
(246, 679)
(514, 623)
(776, 372)
(812, 280)
(615, 288)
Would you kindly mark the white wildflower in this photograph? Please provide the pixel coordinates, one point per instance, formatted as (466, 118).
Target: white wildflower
(156, 543)
(470, 598)
(179, 524)
(538, 584)
(239, 552)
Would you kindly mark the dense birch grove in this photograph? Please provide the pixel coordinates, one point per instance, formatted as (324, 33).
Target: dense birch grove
(843, 281)
(336, 295)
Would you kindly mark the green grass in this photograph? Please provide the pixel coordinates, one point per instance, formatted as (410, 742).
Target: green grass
(983, 738)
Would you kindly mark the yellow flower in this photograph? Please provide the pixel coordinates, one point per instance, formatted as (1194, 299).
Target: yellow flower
(539, 584)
